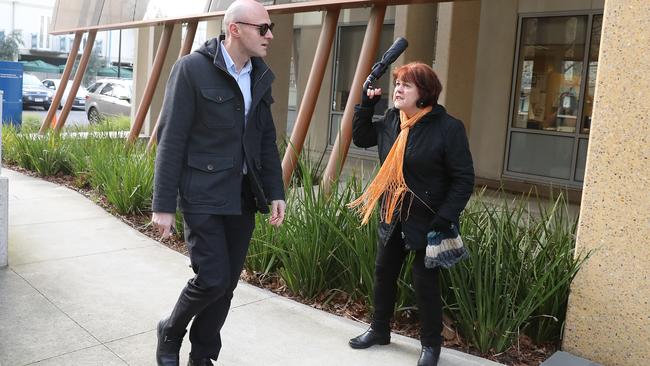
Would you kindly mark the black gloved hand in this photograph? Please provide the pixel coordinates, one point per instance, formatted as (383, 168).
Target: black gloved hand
(440, 224)
(368, 102)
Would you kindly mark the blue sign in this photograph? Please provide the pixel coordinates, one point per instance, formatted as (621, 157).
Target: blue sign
(11, 83)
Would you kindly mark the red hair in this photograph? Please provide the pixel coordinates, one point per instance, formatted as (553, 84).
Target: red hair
(424, 78)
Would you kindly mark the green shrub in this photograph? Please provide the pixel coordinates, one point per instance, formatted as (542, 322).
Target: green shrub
(45, 154)
(262, 258)
(306, 245)
(9, 151)
(125, 177)
(31, 123)
(519, 267)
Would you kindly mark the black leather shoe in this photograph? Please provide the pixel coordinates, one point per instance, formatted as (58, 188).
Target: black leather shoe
(429, 356)
(200, 362)
(168, 346)
(370, 338)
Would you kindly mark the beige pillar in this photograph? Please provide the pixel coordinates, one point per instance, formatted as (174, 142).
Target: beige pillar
(456, 50)
(416, 23)
(214, 28)
(608, 319)
(279, 59)
(493, 82)
(147, 40)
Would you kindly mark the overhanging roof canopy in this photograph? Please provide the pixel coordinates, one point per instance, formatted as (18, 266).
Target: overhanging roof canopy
(72, 16)
(111, 71)
(40, 66)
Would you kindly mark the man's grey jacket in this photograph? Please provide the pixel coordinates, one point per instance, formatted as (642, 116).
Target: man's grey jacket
(202, 141)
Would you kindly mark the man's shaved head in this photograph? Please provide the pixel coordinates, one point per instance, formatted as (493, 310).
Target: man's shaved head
(238, 11)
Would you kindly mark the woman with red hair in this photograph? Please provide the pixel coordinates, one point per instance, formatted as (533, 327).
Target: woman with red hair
(424, 182)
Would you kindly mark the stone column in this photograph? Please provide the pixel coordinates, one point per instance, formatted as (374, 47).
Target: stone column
(608, 319)
(456, 53)
(279, 60)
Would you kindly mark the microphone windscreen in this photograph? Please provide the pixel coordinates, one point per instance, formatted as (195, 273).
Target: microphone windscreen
(395, 51)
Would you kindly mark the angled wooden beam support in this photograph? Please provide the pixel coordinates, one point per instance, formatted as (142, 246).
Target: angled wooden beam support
(185, 49)
(64, 82)
(78, 77)
(366, 60)
(150, 88)
(308, 104)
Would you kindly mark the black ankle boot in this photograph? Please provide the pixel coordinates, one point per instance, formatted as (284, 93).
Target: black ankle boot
(370, 338)
(429, 356)
(199, 362)
(168, 346)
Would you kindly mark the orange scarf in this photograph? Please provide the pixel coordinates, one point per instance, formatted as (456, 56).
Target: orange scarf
(390, 178)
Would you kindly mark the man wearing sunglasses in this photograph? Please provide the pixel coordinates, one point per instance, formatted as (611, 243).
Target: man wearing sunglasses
(217, 153)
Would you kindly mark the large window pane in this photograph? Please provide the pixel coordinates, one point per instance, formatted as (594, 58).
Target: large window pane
(544, 155)
(347, 57)
(549, 75)
(591, 73)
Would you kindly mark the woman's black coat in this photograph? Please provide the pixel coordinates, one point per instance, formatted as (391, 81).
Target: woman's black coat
(438, 168)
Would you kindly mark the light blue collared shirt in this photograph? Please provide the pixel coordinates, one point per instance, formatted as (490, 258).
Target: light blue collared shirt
(243, 78)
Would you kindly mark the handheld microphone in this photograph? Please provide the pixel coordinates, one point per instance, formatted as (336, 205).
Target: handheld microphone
(387, 59)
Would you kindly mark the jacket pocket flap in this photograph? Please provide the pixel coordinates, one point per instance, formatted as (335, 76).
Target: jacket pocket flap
(217, 95)
(209, 163)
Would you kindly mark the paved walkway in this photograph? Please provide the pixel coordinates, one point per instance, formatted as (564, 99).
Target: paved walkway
(83, 288)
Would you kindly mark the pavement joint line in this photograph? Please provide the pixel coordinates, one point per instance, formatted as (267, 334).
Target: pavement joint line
(75, 220)
(56, 221)
(255, 301)
(68, 316)
(129, 336)
(83, 255)
(77, 350)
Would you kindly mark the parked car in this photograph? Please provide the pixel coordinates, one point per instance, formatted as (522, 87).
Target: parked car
(79, 99)
(108, 97)
(35, 94)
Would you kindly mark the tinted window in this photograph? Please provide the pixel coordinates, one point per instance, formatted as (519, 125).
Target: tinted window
(107, 90)
(92, 88)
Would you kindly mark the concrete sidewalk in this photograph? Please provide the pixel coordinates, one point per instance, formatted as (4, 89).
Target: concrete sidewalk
(83, 288)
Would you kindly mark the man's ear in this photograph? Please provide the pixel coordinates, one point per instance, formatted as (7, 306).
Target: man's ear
(233, 29)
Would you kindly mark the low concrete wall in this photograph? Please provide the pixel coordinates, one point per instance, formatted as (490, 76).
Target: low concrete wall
(4, 199)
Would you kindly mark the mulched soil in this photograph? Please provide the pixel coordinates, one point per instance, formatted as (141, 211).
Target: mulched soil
(524, 353)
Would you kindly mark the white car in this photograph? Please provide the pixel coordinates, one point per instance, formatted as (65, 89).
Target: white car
(79, 99)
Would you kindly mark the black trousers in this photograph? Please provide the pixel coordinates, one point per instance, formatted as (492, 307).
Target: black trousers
(388, 265)
(217, 247)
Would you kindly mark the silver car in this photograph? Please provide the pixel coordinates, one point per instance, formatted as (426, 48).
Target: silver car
(108, 97)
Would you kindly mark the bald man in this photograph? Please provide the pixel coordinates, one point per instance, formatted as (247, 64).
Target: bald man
(216, 153)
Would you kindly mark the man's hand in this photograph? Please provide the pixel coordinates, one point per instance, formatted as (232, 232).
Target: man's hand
(277, 212)
(163, 222)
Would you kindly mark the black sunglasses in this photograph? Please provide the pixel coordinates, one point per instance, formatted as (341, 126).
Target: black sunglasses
(262, 27)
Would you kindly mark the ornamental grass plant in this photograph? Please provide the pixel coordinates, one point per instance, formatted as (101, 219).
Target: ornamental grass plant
(517, 277)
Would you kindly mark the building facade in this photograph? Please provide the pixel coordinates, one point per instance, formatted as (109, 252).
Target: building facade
(519, 73)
